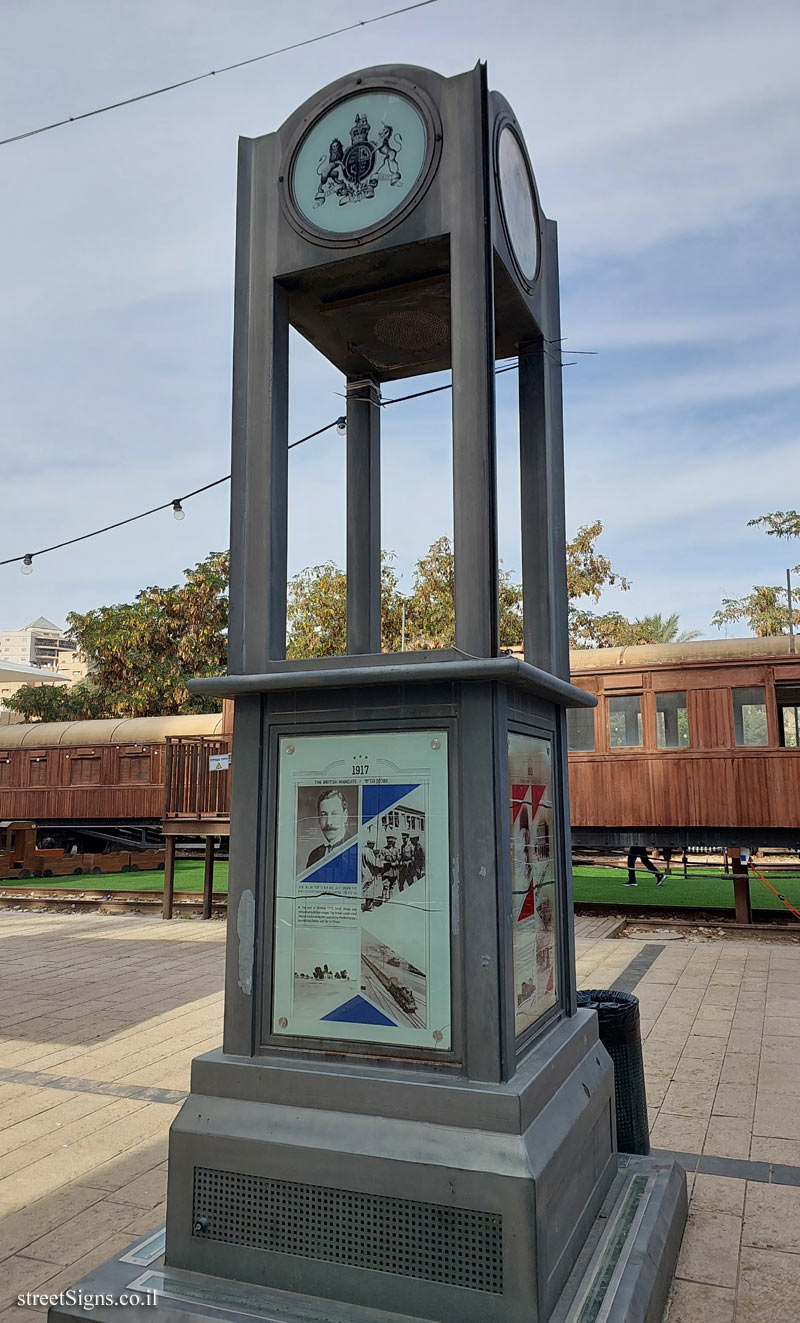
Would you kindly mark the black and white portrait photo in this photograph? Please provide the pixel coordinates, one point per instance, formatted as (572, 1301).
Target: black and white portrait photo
(327, 817)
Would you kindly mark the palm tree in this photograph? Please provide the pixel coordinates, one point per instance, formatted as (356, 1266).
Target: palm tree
(662, 629)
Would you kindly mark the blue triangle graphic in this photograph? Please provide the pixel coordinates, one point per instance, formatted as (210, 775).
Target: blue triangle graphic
(337, 868)
(377, 799)
(359, 1011)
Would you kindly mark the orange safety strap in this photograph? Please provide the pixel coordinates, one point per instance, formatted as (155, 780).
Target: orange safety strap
(775, 892)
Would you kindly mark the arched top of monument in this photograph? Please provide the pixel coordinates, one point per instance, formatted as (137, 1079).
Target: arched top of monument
(369, 205)
(408, 77)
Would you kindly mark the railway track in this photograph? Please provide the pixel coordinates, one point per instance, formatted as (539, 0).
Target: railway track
(91, 900)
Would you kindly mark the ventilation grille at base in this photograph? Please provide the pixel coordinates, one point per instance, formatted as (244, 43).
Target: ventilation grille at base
(456, 1246)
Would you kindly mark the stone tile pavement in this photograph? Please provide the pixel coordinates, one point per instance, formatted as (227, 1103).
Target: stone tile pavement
(721, 1030)
(100, 1017)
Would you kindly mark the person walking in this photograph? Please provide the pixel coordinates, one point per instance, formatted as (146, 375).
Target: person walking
(639, 852)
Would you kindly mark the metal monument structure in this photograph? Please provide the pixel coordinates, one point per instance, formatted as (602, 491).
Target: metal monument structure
(408, 1117)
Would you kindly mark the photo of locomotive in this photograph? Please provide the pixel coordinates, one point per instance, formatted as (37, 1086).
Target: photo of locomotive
(402, 995)
(392, 983)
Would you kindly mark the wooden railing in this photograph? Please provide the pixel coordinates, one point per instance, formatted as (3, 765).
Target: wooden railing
(191, 788)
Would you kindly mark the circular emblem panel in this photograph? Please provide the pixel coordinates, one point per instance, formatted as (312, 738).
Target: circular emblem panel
(518, 203)
(359, 162)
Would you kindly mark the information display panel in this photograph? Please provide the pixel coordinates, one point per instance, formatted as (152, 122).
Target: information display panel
(533, 877)
(362, 897)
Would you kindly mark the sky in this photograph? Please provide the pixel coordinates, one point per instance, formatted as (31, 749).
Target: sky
(665, 139)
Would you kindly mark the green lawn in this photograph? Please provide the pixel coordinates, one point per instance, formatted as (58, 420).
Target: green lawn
(599, 886)
(188, 877)
(708, 890)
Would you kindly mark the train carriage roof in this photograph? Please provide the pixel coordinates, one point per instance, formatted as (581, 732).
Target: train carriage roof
(111, 730)
(698, 652)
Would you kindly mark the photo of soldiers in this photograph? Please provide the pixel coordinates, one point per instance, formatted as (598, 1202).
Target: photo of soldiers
(371, 875)
(418, 869)
(406, 861)
(391, 867)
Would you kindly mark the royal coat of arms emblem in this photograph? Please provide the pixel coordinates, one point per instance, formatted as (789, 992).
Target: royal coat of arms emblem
(358, 171)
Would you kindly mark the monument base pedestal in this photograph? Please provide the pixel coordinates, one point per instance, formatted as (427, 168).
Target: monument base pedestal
(403, 1191)
(308, 1193)
(622, 1275)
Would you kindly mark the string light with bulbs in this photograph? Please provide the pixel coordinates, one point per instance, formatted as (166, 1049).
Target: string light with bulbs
(176, 505)
(339, 424)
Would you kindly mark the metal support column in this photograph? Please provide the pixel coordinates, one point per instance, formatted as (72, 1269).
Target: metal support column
(259, 476)
(169, 876)
(208, 877)
(363, 516)
(741, 887)
(545, 624)
(559, 622)
(472, 335)
(536, 558)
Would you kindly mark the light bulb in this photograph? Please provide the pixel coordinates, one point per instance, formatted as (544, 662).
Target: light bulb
(341, 426)
(178, 511)
(27, 564)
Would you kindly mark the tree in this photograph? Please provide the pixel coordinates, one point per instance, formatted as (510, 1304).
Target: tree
(430, 608)
(588, 629)
(317, 606)
(764, 609)
(781, 523)
(612, 630)
(588, 572)
(659, 629)
(317, 611)
(58, 702)
(142, 653)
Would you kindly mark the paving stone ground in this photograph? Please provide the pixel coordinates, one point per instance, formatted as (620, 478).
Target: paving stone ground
(100, 1017)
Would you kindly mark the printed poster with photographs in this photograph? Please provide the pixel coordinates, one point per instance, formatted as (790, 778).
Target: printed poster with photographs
(533, 878)
(362, 911)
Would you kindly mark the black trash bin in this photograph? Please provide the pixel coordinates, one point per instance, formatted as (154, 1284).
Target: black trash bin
(618, 1016)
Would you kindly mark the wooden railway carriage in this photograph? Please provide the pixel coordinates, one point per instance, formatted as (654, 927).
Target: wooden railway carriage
(97, 784)
(691, 744)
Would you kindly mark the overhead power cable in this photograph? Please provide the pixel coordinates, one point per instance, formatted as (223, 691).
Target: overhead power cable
(213, 73)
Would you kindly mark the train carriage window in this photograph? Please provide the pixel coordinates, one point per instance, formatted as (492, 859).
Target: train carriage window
(580, 729)
(37, 772)
(5, 771)
(625, 721)
(787, 697)
(134, 767)
(750, 716)
(84, 771)
(672, 721)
